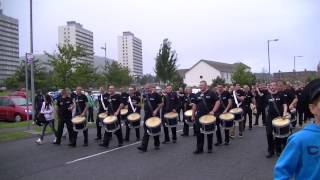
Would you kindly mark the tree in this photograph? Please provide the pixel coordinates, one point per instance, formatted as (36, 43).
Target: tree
(217, 81)
(83, 75)
(311, 77)
(177, 81)
(166, 59)
(242, 76)
(147, 78)
(117, 75)
(63, 64)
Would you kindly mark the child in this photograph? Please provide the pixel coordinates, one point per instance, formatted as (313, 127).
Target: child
(301, 157)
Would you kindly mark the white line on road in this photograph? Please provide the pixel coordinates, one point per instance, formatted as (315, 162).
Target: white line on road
(104, 152)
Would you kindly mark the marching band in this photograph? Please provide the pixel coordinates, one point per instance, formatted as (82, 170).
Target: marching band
(210, 111)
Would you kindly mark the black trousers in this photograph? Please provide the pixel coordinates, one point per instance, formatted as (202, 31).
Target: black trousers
(179, 109)
(301, 116)
(247, 111)
(218, 133)
(293, 119)
(90, 114)
(274, 143)
(261, 110)
(200, 137)
(98, 126)
(166, 131)
(107, 135)
(85, 135)
(127, 136)
(145, 139)
(186, 126)
(65, 120)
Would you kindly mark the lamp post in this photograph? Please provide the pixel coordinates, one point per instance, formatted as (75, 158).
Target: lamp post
(31, 63)
(105, 53)
(294, 62)
(269, 55)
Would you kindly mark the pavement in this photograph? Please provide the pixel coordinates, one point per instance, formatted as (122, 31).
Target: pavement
(243, 159)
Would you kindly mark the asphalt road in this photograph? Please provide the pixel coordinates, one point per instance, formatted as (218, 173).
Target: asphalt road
(243, 159)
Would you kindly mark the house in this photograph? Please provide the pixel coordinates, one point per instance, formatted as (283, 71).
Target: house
(208, 70)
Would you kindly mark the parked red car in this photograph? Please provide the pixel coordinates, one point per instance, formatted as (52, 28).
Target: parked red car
(14, 108)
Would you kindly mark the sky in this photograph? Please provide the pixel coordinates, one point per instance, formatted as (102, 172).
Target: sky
(220, 30)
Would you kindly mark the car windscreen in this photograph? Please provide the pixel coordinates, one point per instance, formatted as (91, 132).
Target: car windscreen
(19, 101)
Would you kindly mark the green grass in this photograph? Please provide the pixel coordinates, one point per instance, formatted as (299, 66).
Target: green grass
(10, 136)
(4, 93)
(6, 125)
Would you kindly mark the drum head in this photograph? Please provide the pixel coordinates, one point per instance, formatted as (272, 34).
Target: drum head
(280, 122)
(134, 117)
(124, 111)
(293, 110)
(171, 115)
(226, 117)
(236, 111)
(110, 119)
(207, 119)
(103, 115)
(78, 119)
(188, 113)
(153, 122)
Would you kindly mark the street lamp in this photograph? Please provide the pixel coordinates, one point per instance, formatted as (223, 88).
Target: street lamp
(269, 55)
(105, 53)
(294, 62)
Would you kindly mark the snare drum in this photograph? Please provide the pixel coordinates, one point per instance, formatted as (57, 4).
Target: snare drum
(111, 123)
(208, 124)
(237, 112)
(187, 116)
(123, 112)
(134, 120)
(293, 113)
(102, 116)
(227, 120)
(171, 119)
(281, 127)
(79, 123)
(153, 125)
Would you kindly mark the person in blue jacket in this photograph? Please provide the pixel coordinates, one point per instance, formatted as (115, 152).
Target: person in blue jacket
(301, 157)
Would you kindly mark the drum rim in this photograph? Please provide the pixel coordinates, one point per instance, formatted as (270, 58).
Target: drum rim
(186, 112)
(173, 113)
(157, 118)
(135, 119)
(204, 123)
(84, 119)
(227, 119)
(102, 113)
(236, 112)
(282, 125)
(111, 121)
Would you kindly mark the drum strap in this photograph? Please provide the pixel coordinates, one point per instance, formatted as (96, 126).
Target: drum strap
(167, 102)
(103, 105)
(148, 102)
(132, 107)
(274, 105)
(204, 102)
(110, 103)
(221, 102)
(235, 98)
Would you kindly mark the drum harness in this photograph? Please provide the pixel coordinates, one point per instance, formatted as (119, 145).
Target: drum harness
(103, 105)
(132, 107)
(274, 105)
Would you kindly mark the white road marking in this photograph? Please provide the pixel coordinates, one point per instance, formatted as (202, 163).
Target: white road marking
(104, 152)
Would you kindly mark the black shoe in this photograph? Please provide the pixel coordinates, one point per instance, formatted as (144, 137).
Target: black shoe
(120, 144)
(156, 147)
(141, 149)
(56, 143)
(240, 135)
(198, 151)
(165, 142)
(184, 134)
(72, 145)
(97, 138)
(217, 144)
(174, 141)
(250, 128)
(209, 151)
(103, 145)
(269, 155)
(226, 143)
(126, 140)
(85, 144)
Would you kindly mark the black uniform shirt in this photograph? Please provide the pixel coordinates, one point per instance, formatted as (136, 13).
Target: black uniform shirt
(261, 100)
(63, 105)
(289, 95)
(239, 92)
(105, 101)
(278, 99)
(124, 97)
(181, 99)
(188, 99)
(135, 100)
(210, 98)
(154, 99)
(80, 103)
(247, 99)
(224, 98)
(114, 102)
(170, 102)
(299, 96)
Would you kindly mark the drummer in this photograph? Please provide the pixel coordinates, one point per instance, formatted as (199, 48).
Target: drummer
(103, 107)
(152, 105)
(207, 102)
(81, 105)
(133, 107)
(115, 104)
(277, 106)
(189, 99)
(225, 106)
(236, 102)
(170, 104)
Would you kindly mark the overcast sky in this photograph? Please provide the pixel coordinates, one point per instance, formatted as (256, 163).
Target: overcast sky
(221, 30)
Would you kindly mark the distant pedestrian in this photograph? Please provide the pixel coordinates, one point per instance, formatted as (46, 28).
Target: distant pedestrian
(90, 107)
(47, 111)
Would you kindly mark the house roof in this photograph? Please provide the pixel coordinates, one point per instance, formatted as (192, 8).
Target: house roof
(220, 66)
(182, 72)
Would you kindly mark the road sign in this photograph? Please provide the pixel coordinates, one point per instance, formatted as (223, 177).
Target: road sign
(29, 58)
